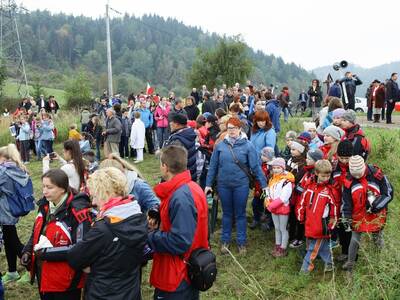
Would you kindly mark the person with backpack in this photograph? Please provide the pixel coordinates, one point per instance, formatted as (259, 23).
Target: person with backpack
(112, 251)
(14, 181)
(366, 196)
(182, 230)
(354, 133)
(63, 219)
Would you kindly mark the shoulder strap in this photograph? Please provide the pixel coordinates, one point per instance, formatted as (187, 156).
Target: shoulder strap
(241, 166)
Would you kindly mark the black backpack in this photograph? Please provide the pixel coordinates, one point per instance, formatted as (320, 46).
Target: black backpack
(202, 269)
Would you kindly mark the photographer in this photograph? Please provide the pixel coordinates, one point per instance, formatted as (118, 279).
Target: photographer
(351, 81)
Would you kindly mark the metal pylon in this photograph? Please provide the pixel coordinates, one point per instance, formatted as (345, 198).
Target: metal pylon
(10, 45)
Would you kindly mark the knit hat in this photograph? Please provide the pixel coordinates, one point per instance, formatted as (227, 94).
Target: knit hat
(178, 119)
(305, 136)
(338, 112)
(278, 162)
(357, 166)
(291, 135)
(315, 155)
(268, 152)
(350, 116)
(334, 131)
(345, 148)
(309, 125)
(297, 146)
(206, 114)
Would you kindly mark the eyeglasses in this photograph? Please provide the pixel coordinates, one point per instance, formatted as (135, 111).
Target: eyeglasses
(231, 128)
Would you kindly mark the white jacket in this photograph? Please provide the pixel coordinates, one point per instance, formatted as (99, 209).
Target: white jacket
(137, 134)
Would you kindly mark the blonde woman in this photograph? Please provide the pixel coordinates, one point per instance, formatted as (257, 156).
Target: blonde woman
(12, 170)
(112, 250)
(137, 186)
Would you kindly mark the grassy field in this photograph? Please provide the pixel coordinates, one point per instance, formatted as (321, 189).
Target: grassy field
(11, 90)
(257, 275)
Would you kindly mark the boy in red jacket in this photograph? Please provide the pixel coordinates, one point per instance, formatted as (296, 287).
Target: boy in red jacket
(318, 211)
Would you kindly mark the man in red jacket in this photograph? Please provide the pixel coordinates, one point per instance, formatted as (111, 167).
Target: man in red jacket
(183, 227)
(319, 212)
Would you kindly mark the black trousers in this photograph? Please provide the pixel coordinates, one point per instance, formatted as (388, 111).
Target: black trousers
(124, 146)
(149, 140)
(296, 229)
(344, 238)
(12, 246)
(69, 295)
(389, 111)
(25, 148)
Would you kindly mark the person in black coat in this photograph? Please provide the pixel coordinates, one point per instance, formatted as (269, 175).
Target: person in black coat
(112, 251)
(195, 94)
(209, 105)
(350, 81)
(392, 95)
(191, 109)
(315, 94)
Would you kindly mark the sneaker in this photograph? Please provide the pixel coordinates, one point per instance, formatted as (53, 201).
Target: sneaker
(224, 248)
(348, 266)
(242, 250)
(138, 161)
(26, 278)
(254, 224)
(328, 268)
(295, 244)
(10, 276)
(333, 244)
(342, 258)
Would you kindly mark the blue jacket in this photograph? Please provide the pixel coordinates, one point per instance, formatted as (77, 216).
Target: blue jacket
(9, 170)
(262, 138)
(146, 116)
(335, 91)
(141, 191)
(46, 131)
(24, 132)
(274, 110)
(227, 172)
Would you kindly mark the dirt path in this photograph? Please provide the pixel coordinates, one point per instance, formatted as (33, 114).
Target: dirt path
(362, 120)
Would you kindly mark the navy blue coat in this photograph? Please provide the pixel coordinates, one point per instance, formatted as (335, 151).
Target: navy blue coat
(274, 110)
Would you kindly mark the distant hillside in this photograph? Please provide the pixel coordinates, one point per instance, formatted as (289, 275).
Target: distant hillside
(149, 48)
(367, 75)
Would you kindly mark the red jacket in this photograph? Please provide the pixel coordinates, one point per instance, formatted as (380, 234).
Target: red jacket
(318, 210)
(339, 178)
(356, 204)
(257, 185)
(361, 145)
(170, 269)
(325, 150)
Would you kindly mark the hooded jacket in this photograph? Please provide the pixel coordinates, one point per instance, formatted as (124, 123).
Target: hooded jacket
(9, 172)
(361, 145)
(186, 137)
(263, 138)
(280, 188)
(113, 250)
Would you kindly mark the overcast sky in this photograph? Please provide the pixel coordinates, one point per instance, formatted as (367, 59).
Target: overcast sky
(310, 33)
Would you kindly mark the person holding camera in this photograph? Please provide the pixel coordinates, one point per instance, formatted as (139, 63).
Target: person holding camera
(350, 81)
(183, 227)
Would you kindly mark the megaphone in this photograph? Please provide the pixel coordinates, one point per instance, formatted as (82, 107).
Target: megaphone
(341, 65)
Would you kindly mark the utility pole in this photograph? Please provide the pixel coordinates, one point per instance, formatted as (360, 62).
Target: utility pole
(110, 82)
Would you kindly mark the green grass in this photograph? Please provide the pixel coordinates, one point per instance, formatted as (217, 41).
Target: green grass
(377, 275)
(11, 90)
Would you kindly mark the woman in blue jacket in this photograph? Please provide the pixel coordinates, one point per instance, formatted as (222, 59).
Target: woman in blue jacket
(262, 135)
(231, 162)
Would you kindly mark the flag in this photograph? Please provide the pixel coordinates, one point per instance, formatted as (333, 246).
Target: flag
(149, 90)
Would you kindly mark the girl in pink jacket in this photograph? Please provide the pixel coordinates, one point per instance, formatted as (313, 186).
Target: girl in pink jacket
(161, 117)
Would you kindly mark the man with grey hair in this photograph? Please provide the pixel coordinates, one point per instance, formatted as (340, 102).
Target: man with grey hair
(112, 133)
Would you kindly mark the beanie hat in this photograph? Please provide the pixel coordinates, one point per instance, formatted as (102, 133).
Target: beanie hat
(334, 131)
(309, 125)
(291, 135)
(357, 166)
(268, 152)
(350, 116)
(278, 162)
(305, 136)
(338, 112)
(297, 146)
(345, 148)
(315, 155)
(178, 119)
(206, 114)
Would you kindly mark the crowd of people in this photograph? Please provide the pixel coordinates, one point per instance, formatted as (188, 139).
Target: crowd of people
(99, 221)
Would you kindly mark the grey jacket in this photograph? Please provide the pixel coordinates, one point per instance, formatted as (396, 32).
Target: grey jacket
(113, 130)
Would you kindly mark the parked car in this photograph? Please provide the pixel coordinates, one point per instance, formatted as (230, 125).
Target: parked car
(361, 105)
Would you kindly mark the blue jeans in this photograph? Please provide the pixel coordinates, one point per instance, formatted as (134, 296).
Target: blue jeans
(285, 113)
(316, 247)
(47, 145)
(162, 135)
(233, 201)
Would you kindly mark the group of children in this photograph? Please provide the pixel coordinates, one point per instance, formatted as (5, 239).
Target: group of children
(325, 192)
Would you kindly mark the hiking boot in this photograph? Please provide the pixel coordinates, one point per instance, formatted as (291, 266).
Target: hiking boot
(274, 252)
(10, 276)
(328, 268)
(254, 224)
(296, 244)
(26, 278)
(224, 248)
(342, 258)
(348, 266)
(242, 249)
